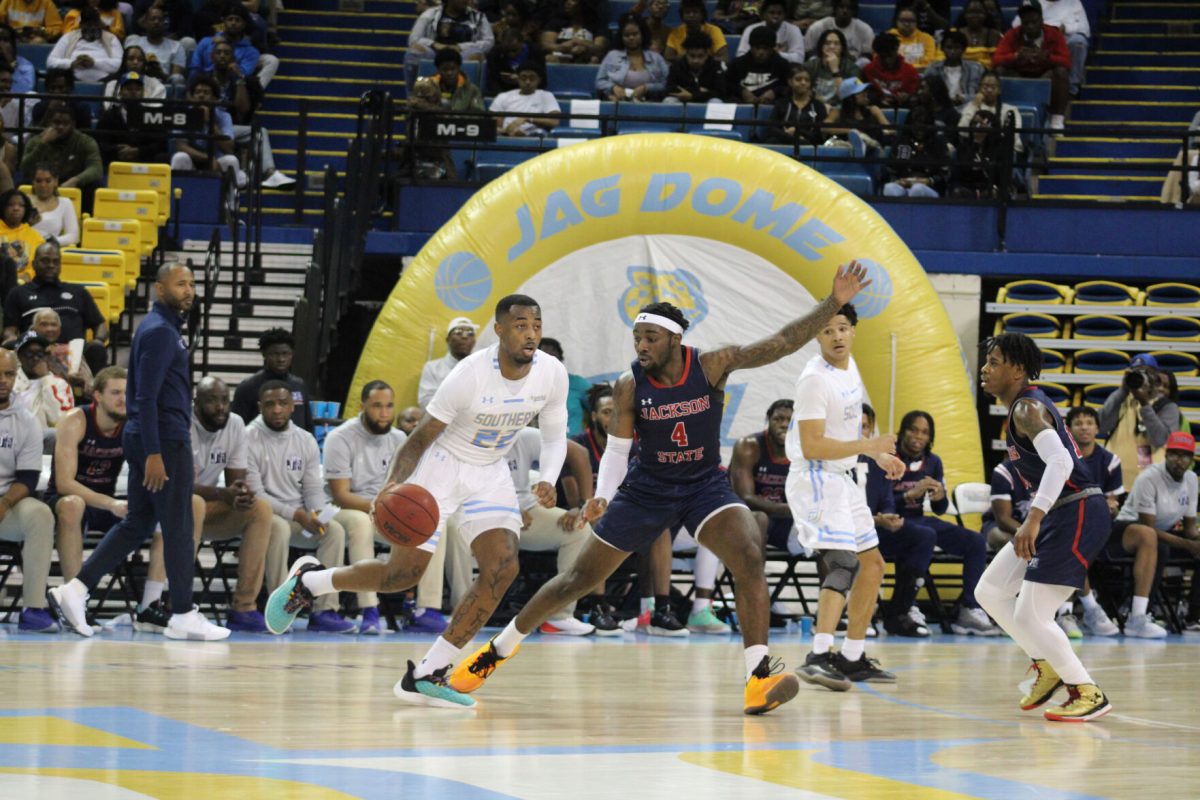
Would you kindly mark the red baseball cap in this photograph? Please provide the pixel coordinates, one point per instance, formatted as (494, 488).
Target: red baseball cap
(1181, 441)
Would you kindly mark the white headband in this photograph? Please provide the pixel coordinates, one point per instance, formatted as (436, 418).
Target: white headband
(660, 321)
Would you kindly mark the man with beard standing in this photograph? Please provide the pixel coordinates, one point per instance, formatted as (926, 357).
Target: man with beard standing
(157, 444)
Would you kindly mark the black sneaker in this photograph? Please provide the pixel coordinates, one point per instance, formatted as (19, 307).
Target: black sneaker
(664, 623)
(822, 670)
(905, 626)
(863, 670)
(153, 618)
(603, 618)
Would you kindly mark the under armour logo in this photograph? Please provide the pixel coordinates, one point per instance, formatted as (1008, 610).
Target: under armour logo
(646, 401)
(487, 400)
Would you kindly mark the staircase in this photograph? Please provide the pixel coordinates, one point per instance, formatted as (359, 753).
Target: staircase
(1145, 74)
(330, 57)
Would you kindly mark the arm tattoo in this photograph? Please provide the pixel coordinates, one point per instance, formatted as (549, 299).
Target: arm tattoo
(794, 335)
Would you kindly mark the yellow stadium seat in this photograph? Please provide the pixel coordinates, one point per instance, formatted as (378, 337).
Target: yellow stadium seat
(102, 295)
(1034, 291)
(1183, 365)
(1101, 362)
(71, 193)
(1107, 293)
(1173, 294)
(98, 266)
(1172, 328)
(1039, 325)
(1054, 362)
(117, 234)
(130, 177)
(1094, 394)
(139, 205)
(1059, 395)
(1104, 326)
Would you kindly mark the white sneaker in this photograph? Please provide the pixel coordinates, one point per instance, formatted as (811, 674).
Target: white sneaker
(1143, 627)
(916, 616)
(567, 626)
(277, 180)
(1096, 622)
(974, 622)
(69, 603)
(1057, 122)
(1070, 626)
(194, 627)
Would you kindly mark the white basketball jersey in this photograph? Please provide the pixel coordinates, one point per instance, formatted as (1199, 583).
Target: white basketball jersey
(483, 411)
(834, 395)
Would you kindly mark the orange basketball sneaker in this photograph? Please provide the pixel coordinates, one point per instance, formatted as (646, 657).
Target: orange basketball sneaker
(470, 674)
(767, 688)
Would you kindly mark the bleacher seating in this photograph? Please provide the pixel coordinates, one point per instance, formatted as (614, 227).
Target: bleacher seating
(138, 205)
(571, 81)
(1034, 291)
(1107, 293)
(1104, 326)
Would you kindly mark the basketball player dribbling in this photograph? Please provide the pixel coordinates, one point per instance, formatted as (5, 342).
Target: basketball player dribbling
(1067, 526)
(457, 453)
(672, 397)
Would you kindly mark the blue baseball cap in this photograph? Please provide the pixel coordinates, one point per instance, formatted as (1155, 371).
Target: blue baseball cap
(1144, 360)
(851, 87)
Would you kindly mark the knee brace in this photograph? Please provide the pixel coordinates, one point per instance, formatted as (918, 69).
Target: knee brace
(840, 568)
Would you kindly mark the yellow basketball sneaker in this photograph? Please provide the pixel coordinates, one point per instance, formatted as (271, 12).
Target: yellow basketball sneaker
(767, 688)
(1085, 702)
(1045, 684)
(470, 674)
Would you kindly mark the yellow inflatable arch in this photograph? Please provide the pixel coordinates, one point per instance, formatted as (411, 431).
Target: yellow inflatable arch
(743, 239)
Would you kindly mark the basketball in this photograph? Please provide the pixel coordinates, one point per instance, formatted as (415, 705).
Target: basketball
(406, 515)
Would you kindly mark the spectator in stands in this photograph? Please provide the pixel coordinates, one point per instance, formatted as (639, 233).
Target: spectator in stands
(48, 325)
(931, 15)
(56, 215)
(134, 60)
(734, 16)
(284, 467)
(961, 78)
(18, 239)
(573, 35)
(829, 65)
(655, 15)
(789, 41)
(456, 89)
(989, 99)
(1138, 416)
(75, 156)
(88, 457)
(923, 480)
(760, 76)
(799, 117)
(250, 60)
(454, 25)
(697, 77)
(694, 15)
(534, 111)
(1172, 189)
(24, 75)
(806, 12)
(206, 20)
(916, 46)
(15, 112)
(75, 307)
(1070, 17)
(33, 21)
(91, 52)
(358, 454)
(122, 132)
(426, 158)
(919, 141)
(45, 395)
(1161, 504)
(758, 472)
(510, 52)
(517, 17)
(893, 80)
(241, 96)
(212, 152)
(577, 386)
(278, 348)
(24, 518)
(632, 72)
(933, 97)
(408, 418)
(1104, 465)
(975, 175)
(856, 33)
(110, 16)
(1036, 50)
(460, 341)
(855, 116)
(981, 31)
(61, 82)
(230, 507)
(166, 60)
(1009, 507)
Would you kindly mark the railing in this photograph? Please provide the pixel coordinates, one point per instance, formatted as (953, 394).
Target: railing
(201, 314)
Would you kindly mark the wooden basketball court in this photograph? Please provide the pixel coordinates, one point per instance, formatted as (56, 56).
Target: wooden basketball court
(310, 717)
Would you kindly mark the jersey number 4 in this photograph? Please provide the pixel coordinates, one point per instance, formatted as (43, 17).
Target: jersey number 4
(679, 435)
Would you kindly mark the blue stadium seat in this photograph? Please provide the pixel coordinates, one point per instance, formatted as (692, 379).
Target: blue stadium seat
(1104, 326)
(1053, 362)
(697, 114)
(491, 164)
(1030, 96)
(878, 16)
(572, 81)
(574, 128)
(1106, 293)
(1040, 325)
(36, 54)
(1172, 328)
(649, 118)
(1183, 365)
(1094, 394)
(1173, 294)
(1101, 362)
(1059, 395)
(1034, 291)
(732, 41)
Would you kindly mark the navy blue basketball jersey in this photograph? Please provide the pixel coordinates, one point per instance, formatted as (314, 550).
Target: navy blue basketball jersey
(1029, 465)
(100, 457)
(678, 427)
(771, 471)
(595, 452)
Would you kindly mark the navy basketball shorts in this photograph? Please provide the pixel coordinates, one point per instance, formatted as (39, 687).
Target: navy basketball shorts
(1070, 538)
(645, 506)
(778, 531)
(96, 520)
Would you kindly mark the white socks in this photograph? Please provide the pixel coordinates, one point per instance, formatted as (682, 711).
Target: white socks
(1089, 601)
(822, 643)
(754, 656)
(442, 654)
(152, 592)
(1139, 606)
(852, 649)
(508, 640)
(319, 581)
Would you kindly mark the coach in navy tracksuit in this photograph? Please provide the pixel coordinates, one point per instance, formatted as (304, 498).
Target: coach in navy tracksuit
(157, 442)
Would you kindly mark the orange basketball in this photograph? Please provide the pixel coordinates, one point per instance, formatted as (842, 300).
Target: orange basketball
(406, 515)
